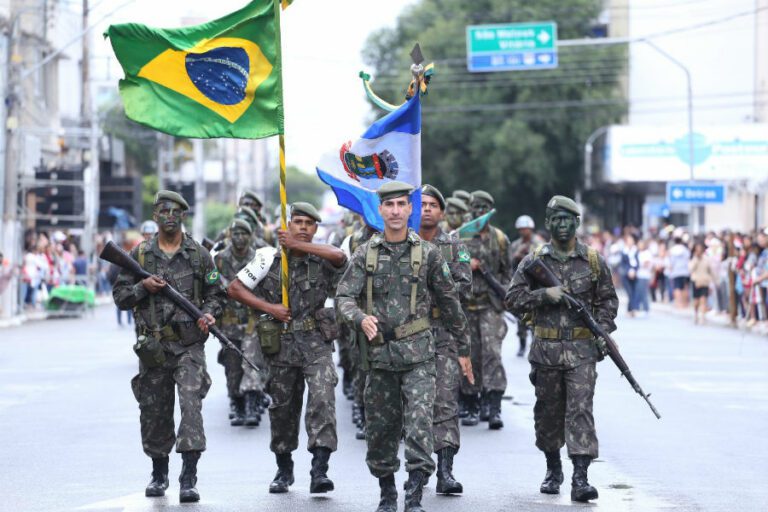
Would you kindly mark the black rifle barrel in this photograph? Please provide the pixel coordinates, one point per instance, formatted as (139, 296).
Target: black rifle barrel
(115, 255)
(543, 276)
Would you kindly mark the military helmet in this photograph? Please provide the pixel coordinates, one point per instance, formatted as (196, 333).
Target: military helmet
(458, 204)
(524, 222)
(482, 195)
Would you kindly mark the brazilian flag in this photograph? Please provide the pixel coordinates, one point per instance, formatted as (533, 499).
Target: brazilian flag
(218, 79)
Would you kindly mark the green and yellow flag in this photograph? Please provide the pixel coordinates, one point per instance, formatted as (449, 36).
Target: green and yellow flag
(218, 79)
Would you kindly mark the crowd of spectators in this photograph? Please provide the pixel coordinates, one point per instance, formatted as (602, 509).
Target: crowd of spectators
(713, 274)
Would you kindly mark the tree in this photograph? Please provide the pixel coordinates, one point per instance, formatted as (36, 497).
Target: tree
(301, 187)
(518, 135)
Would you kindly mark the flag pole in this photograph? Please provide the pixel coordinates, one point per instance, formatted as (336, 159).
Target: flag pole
(283, 222)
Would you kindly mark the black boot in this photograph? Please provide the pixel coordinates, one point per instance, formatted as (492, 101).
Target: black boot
(473, 411)
(188, 478)
(414, 486)
(554, 477)
(463, 406)
(356, 413)
(232, 408)
(252, 417)
(239, 419)
(388, 502)
(284, 477)
(580, 488)
(494, 400)
(320, 481)
(159, 482)
(485, 406)
(446, 484)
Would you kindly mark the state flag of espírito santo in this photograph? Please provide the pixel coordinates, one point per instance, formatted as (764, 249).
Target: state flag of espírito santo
(219, 79)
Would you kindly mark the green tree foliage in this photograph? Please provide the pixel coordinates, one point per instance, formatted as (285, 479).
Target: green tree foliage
(140, 141)
(217, 217)
(149, 186)
(516, 134)
(301, 187)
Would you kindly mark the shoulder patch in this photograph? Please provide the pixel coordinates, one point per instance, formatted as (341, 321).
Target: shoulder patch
(463, 256)
(212, 276)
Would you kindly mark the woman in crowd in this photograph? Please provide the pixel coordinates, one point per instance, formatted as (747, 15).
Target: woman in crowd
(702, 276)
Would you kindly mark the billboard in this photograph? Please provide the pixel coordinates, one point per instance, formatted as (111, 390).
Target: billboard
(657, 153)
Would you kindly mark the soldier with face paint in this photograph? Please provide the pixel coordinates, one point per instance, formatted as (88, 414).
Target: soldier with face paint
(564, 352)
(301, 356)
(455, 212)
(177, 362)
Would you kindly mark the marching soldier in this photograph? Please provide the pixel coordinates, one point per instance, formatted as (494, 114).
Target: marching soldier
(519, 249)
(297, 342)
(490, 260)
(238, 323)
(396, 276)
(466, 198)
(564, 352)
(449, 349)
(455, 213)
(170, 344)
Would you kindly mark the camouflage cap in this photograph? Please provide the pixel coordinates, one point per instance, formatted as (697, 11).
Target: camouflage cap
(482, 195)
(394, 189)
(170, 195)
(463, 195)
(306, 210)
(565, 204)
(243, 212)
(251, 194)
(429, 190)
(241, 224)
(457, 203)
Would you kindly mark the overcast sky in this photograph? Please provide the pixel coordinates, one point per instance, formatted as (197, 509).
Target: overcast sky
(322, 39)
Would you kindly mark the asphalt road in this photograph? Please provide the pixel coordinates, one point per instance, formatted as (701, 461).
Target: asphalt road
(70, 433)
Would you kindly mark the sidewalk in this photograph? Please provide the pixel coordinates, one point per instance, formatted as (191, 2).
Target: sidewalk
(712, 318)
(37, 315)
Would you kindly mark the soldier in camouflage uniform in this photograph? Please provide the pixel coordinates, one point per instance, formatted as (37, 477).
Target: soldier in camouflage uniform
(397, 276)
(466, 198)
(455, 212)
(520, 249)
(239, 323)
(490, 259)
(451, 352)
(564, 352)
(301, 350)
(178, 356)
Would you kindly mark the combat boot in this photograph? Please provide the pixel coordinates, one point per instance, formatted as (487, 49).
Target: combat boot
(554, 477)
(580, 488)
(494, 400)
(360, 433)
(252, 417)
(232, 408)
(463, 406)
(320, 482)
(159, 482)
(239, 419)
(188, 478)
(446, 484)
(416, 480)
(473, 411)
(356, 413)
(485, 405)
(284, 477)
(388, 501)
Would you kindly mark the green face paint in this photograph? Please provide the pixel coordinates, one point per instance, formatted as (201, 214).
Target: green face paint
(454, 217)
(240, 239)
(169, 216)
(480, 208)
(562, 225)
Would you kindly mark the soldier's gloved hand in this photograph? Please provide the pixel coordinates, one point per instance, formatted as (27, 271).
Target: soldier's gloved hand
(602, 348)
(554, 294)
(153, 284)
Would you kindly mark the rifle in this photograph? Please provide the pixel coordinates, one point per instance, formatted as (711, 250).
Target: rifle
(542, 275)
(207, 243)
(115, 255)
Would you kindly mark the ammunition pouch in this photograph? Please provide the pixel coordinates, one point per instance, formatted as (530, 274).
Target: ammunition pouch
(327, 324)
(149, 351)
(269, 331)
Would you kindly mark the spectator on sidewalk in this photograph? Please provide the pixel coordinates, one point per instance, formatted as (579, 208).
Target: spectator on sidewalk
(702, 276)
(628, 271)
(81, 267)
(678, 271)
(659, 279)
(644, 275)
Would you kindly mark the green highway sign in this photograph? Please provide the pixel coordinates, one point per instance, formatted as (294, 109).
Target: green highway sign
(512, 46)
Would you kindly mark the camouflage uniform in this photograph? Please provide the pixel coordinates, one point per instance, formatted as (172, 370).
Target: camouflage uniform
(400, 388)
(191, 271)
(522, 247)
(238, 323)
(304, 355)
(448, 383)
(485, 312)
(563, 354)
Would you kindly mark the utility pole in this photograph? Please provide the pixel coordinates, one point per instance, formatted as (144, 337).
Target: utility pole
(88, 119)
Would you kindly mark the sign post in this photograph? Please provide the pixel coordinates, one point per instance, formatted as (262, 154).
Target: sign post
(511, 47)
(695, 193)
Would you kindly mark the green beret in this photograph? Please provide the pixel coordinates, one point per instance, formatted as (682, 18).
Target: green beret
(457, 203)
(483, 196)
(463, 195)
(169, 195)
(241, 224)
(429, 190)
(393, 189)
(248, 214)
(252, 195)
(564, 203)
(306, 210)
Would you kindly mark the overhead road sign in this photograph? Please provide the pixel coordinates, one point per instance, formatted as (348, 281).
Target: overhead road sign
(695, 193)
(511, 47)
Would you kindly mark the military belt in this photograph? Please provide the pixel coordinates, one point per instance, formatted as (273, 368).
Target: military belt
(307, 324)
(435, 313)
(407, 329)
(166, 333)
(552, 333)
